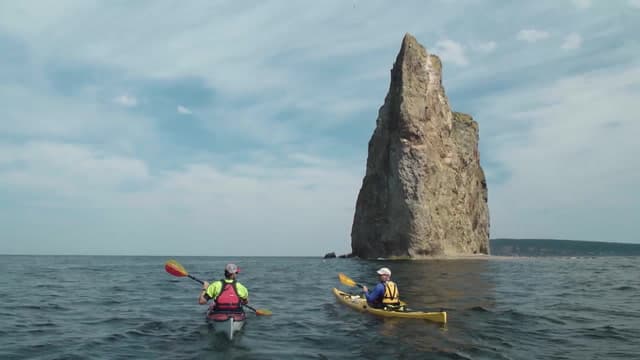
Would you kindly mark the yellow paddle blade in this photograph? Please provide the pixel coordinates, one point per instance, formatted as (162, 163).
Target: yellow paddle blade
(174, 268)
(263, 312)
(346, 280)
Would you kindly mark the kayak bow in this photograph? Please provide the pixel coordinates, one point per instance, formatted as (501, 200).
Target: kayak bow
(227, 323)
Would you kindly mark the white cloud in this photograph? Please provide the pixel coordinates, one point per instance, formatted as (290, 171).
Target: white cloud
(69, 169)
(83, 118)
(254, 51)
(250, 122)
(485, 47)
(572, 41)
(184, 110)
(126, 100)
(235, 208)
(573, 159)
(532, 35)
(334, 107)
(452, 51)
(311, 160)
(582, 4)
(634, 3)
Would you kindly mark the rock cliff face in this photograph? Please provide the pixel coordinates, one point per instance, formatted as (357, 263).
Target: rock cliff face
(424, 192)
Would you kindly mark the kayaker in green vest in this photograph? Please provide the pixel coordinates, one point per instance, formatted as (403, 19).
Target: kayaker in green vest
(385, 293)
(228, 294)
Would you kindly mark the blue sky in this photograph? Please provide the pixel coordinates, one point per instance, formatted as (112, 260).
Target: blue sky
(241, 128)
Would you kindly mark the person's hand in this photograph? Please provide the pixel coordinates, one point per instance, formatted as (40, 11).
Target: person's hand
(365, 289)
(205, 286)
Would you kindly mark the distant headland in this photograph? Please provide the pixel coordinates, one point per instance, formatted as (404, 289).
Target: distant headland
(556, 247)
(510, 247)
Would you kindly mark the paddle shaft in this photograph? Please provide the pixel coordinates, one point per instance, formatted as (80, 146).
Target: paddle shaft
(250, 307)
(195, 278)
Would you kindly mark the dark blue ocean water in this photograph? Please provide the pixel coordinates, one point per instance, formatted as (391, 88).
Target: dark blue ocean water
(85, 307)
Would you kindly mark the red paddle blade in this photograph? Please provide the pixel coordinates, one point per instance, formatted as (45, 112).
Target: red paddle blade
(263, 312)
(174, 268)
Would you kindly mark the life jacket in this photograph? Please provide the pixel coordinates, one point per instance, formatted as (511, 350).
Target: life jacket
(391, 294)
(228, 298)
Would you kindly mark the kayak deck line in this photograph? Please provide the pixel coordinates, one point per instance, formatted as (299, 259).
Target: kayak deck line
(359, 303)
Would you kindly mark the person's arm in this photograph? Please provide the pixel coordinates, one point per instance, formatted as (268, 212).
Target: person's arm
(204, 297)
(243, 293)
(374, 295)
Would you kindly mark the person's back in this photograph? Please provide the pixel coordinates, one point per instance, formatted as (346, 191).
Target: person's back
(228, 294)
(385, 293)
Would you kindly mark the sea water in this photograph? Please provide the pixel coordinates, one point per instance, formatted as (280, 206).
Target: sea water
(110, 307)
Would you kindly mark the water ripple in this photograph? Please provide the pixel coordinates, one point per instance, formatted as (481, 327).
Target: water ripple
(128, 307)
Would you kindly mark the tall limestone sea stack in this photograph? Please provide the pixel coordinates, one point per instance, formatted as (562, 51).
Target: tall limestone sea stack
(424, 193)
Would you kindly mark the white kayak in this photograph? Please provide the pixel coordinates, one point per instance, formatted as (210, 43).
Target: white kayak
(227, 323)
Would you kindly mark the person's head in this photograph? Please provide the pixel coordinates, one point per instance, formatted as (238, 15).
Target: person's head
(231, 270)
(384, 273)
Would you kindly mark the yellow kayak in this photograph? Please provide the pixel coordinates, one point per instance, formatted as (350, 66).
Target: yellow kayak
(359, 303)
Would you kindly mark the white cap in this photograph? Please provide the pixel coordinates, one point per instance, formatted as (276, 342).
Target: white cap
(231, 269)
(384, 271)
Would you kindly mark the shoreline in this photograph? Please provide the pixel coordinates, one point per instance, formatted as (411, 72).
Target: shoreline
(488, 257)
(454, 257)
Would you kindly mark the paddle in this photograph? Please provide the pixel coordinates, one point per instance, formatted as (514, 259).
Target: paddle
(174, 268)
(348, 281)
(258, 311)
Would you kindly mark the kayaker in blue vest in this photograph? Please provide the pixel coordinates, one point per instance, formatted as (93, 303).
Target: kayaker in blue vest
(385, 293)
(228, 294)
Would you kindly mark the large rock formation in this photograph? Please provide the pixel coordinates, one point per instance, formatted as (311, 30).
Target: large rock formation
(424, 192)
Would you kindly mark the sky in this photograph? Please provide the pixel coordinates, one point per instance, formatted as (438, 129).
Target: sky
(240, 128)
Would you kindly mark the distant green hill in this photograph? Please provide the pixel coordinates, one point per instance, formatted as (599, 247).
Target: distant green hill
(554, 247)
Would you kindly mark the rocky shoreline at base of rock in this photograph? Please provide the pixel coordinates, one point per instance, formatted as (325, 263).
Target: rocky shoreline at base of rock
(332, 255)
